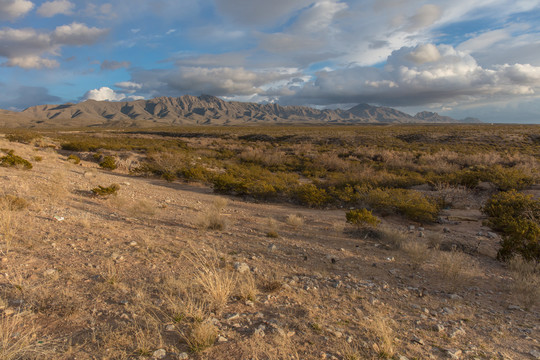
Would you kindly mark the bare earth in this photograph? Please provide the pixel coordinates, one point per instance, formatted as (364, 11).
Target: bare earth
(97, 278)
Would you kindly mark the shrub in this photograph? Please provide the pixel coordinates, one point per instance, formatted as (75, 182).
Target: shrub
(410, 203)
(38, 158)
(74, 159)
(108, 162)
(362, 218)
(106, 191)
(517, 217)
(12, 160)
(310, 194)
(509, 178)
(23, 137)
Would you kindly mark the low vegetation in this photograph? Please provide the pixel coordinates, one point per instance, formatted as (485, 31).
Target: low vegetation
(12, 160)
(105, 190)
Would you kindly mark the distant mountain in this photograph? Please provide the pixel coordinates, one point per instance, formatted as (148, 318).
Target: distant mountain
(204, 109)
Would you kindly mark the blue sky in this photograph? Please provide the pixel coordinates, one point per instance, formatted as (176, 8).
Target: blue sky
(478, 58)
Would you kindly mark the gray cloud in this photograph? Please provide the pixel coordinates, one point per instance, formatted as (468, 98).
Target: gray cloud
(55, 7)
(259, 12)
(114, 65)
(12, 9)
(21, 97)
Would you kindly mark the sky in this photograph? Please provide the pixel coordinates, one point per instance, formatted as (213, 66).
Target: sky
(460, 58)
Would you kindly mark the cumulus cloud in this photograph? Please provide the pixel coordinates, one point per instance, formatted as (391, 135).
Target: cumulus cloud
(52, 8)
(420, 76)
(27, 47)
(114, 65)
(108, 94)
(12, 9)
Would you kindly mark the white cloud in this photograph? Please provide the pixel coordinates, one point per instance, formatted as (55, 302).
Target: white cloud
(108, 94)
(77, 34)
(424, 17)
(260, 12)
(52, 8)
(319, 16)
(28, 48)
(130, 85)
(12, 9)
(425, 53)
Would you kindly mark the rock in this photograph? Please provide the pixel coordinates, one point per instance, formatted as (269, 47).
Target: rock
(417, 340)
(4, 259)
(183, 356)
(420, 229)
(272, 247)
(250, 303)
(491, 235)
(50, 272)
(170, 327)
(222, 339)
(454, 353)
(260, 331)
(535, 354)
(438, 328)
(457, 332)
(8, 312)
(233, 316)
(411, 227)
(447, 311)
(337, 334)
(133, 243)
(421, 234)
(401, 357)
(241, 267)
(480, 233)
(446, 230)
(159, 354)
(514, 307)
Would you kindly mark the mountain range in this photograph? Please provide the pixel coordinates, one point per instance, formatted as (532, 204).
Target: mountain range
(203, 110)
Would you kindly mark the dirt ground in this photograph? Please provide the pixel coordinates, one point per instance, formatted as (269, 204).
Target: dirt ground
(87, 277)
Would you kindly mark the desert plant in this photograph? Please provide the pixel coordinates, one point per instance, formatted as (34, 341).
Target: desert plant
(24, 137)
(295, 220)
(74, 159)
(211, 218)
(411, 203)
(17, 339)
(311, 195)
(526, 280)
(106, 191)
(417, 252)
(385, 338)
(202, 336)
(517, 217)
(108, 163)
(362, 218)
(12, 160)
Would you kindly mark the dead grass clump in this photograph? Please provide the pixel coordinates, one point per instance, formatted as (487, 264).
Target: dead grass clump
(8, 226)
(385, 338)
(393, 238)
(295, 220)
(246, 287)
(417, 252)
(13, 203)
(202, 336)
(526, 284)
(142, 208)
(455, 267)
(212, 219)
(17, 339)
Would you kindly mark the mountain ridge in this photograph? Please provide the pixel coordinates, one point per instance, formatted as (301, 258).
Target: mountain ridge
(203, 110)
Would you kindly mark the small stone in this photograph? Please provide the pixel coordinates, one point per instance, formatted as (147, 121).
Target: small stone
(479, 233)
(170, 327)
(272, 247)
(183, 356)
(133, 243)
(260, 331)
(513, 307)
(50, 272)
(159, 354)
(420, 229)
(454, 297)
(233, 316)
(438, 328)
(446, 230)
(491, 235)
(417, 340)
(457, 332)
(421, 234)
(447, 311)
(535, 354)
(454, 353)
(8, 312)
(241, 267)
(337, 334)
(4, 259)
(411, 227)
(402, 357)
(250, 303)
(222, 339)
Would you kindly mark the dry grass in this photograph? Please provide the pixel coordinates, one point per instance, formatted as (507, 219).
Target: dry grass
(417, 252)
(456, 268)
(526, 284)
(246, 287)
(211, 218)
(385, 338)
(202, 336)
(393, 238)
(8, 225)
(18, 339)
(295, 220)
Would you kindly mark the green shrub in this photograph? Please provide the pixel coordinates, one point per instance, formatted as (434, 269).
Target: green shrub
(106, 191)
(24, 137)
(410, 203)
(310, 194)
(517, 217)
(38, 158)
(74, 159)
(108, 162)
(509, 178)
(362, 218)
(12, 160)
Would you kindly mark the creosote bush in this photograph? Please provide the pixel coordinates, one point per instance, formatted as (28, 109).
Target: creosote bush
(517, 217)
(362, 218)
(410, 203)
(108, 162)
(106, 191)
(74, 159)
(12, 160)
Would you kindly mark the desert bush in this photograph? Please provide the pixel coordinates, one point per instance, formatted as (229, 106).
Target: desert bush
(12, 160)
(311, 195)
(13, 203)
(417, 252)
(517, 217)
(295, 220)
(506, 179)
(455, 267)
(410, 203)
(211, 218)
(202, 336)
(38, 158)
(74, 159)
(108, 162)
(362, 218)
(25, 137)
(106, 191)
(526, 280)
